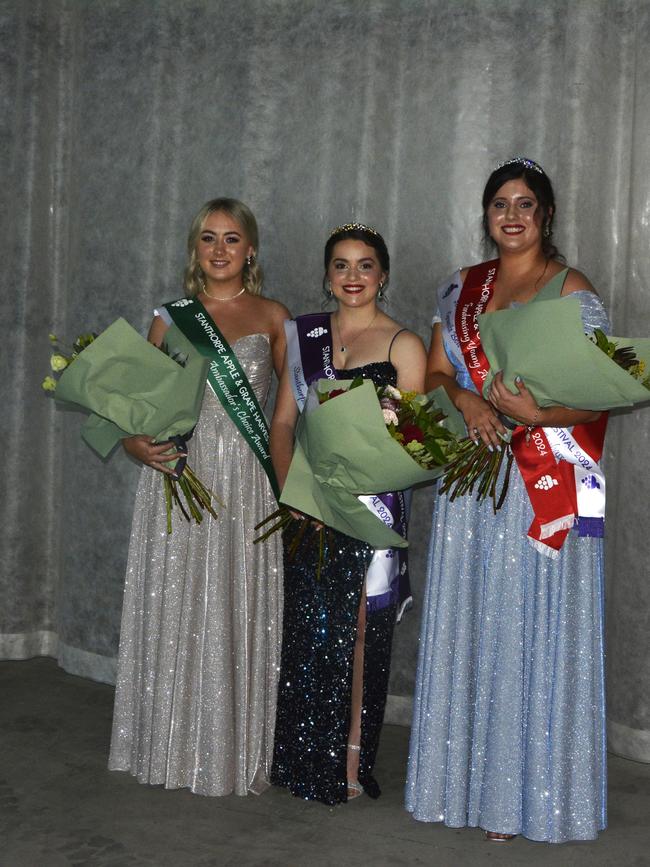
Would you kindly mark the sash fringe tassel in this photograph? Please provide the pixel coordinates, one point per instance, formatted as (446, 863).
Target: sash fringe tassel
(541, 548)
(553, 527)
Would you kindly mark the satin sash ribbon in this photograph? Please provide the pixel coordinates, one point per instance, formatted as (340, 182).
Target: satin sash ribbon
(559, 478)
(226, 378)
(309, 352)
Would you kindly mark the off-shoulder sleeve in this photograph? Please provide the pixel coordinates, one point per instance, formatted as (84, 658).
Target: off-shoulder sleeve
(593, 311)
(442, 292)
(164, 315)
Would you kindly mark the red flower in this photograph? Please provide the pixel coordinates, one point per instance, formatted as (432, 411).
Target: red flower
(411, 432)
(324, 396)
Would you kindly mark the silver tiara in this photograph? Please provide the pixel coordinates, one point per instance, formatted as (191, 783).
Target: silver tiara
(350, 227)
(522, 161)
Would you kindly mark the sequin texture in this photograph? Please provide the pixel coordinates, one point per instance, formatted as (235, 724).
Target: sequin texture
(319, 632)
(509, 717)
(200, 638)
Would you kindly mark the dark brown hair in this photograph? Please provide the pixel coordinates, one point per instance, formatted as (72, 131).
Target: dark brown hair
(538, 183)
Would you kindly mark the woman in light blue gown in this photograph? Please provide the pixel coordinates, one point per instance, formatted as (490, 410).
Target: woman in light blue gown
(509, 720)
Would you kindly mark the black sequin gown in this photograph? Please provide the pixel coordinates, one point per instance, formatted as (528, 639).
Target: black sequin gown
(315, 687)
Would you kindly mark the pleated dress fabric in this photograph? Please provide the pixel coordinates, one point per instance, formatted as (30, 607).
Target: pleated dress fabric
(201, 625)
(509, 710)
(319, 634)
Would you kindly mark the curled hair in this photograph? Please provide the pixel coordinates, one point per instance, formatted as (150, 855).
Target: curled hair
(358, 232)
(253, 275)
(537, 182)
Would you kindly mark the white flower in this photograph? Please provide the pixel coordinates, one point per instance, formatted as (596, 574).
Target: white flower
(391, 391)
(58, 362)
(390, 417)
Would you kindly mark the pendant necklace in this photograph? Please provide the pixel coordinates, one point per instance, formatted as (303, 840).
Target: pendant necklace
(229, 298)
(343, 347)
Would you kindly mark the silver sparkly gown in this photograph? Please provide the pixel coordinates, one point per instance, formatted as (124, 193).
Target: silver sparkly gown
(509, 716)
(201, 625)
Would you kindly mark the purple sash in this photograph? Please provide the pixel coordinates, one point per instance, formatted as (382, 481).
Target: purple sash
(309, 352)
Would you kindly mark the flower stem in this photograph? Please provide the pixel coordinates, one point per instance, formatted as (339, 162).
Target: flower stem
(506, 481)
(283, 518)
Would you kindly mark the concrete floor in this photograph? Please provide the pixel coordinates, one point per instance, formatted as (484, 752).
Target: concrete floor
(60, 806)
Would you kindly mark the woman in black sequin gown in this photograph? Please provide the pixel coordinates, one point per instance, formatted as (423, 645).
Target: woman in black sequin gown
(336, 637)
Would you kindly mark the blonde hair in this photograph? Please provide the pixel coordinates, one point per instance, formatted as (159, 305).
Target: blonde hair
(253, 276)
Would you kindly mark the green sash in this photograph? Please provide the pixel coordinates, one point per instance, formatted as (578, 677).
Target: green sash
(226, 378)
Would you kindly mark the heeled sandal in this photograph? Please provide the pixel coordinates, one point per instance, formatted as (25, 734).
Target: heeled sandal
(495, 837)
(355, 789)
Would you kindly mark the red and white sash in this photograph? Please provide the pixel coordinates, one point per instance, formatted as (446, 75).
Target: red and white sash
(559, 467)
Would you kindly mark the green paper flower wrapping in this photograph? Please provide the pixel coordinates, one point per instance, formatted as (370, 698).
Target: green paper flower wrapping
(129, 386)
(545, 344)
(344, 449)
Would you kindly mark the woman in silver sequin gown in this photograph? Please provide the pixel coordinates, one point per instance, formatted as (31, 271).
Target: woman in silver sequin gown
(509, 721)
(201, 623)
(336, 636)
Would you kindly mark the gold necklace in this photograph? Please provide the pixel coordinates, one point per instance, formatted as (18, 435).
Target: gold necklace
(345, 348)
(229, 298)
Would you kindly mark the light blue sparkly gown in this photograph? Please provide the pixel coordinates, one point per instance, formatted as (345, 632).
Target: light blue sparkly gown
(509, 715)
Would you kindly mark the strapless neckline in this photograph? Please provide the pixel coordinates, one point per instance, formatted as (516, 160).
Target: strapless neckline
(263, 334)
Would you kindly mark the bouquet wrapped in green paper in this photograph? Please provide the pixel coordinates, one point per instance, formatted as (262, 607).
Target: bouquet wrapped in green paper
(544, 343)
(130, 386)
(353, 444)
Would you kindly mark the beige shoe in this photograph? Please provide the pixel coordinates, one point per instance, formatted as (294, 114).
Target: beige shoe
(355, 789)
(495, 837)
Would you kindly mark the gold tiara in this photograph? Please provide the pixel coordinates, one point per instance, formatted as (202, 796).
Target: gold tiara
(350, 227)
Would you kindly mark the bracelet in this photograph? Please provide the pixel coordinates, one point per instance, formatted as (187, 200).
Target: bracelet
(530, 427)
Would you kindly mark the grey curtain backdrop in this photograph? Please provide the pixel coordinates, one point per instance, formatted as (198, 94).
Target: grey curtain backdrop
(121, 117)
